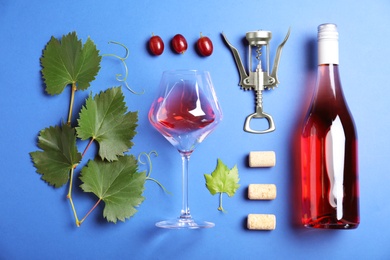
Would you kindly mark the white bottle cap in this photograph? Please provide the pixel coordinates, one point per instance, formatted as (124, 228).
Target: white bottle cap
(328, 44)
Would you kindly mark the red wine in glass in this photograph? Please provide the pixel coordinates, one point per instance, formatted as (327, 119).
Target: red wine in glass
(185, 114)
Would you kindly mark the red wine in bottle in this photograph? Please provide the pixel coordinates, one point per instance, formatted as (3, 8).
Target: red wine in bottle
(329, 155)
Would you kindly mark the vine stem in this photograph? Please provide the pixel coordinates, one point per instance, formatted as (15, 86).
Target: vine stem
(74, 88)
(88, 145)
(69, 196)
(90, 211)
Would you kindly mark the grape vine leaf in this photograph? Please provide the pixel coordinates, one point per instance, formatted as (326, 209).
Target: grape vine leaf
(117, 183)
(222, 180)
(69, 62)
(104, 119)
(59, 154)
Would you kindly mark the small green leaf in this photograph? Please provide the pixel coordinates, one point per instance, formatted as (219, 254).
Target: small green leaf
(222, 180)
(105, 120)
(59, 154)
(69, 62)
(117, 183)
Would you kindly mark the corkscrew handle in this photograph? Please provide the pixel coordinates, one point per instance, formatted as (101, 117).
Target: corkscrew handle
(237, 59)
(269, 118)
(277, 59)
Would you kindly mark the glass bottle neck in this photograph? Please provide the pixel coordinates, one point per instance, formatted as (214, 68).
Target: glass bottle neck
(328, 59)
(328, 80)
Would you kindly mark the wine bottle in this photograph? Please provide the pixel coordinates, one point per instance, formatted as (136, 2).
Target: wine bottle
(329, 154)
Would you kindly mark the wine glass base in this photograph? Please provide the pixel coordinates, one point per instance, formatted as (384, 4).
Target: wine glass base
(184, 223)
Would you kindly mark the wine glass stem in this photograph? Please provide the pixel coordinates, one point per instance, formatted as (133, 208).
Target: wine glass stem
(185, 212)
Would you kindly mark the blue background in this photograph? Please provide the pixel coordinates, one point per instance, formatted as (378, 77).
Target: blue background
(36, 221)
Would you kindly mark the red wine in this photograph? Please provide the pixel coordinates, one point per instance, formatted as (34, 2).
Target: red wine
(183, 111)
(329, 156)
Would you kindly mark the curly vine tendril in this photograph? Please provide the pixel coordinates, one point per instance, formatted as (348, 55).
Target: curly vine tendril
(123, 60)
(149, 163)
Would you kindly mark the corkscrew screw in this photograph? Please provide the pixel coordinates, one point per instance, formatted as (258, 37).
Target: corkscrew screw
(258, 80)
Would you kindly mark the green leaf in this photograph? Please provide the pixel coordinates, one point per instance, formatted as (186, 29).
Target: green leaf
(69, 62)
(105, 120)
(222, 180)
(117, 183)
(59, 154)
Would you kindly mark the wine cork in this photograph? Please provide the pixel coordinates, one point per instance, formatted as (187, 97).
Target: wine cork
(262, 191)
(262, 159)
(261, 222)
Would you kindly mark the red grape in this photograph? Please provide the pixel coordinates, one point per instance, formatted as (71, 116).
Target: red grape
(205, 46)
(179, 43)
(156, 45)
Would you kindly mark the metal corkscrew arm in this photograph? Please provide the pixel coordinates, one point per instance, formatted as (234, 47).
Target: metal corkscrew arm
(258, 80)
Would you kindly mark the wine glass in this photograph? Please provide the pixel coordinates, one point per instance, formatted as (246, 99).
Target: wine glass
(185, 111)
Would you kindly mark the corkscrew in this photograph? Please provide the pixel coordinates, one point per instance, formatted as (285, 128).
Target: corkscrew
(258, 80)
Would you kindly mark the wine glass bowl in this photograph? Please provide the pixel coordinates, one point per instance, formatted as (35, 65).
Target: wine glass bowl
(185, 112)
(186, 109)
